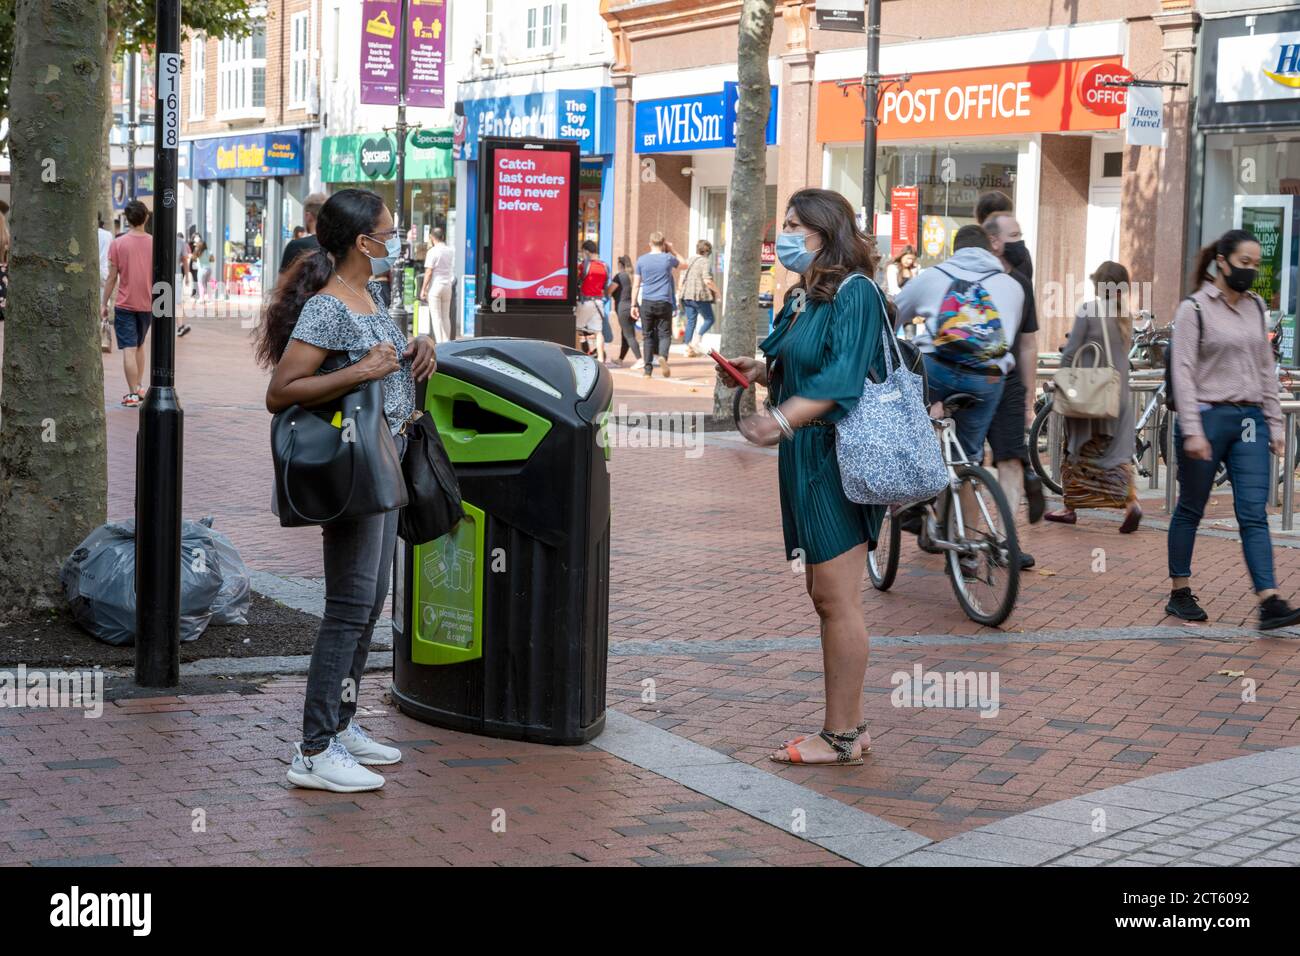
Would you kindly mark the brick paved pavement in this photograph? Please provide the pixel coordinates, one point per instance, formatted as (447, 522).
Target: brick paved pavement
(1096, 689)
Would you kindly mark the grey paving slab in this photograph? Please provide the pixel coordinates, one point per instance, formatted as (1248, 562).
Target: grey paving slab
(932, 857)
(851, 833)
(983, 845)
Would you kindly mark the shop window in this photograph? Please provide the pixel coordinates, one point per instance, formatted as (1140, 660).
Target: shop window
(950, 177)
(1252, 181)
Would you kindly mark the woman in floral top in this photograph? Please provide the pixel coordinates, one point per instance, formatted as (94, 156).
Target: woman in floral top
(326, 306)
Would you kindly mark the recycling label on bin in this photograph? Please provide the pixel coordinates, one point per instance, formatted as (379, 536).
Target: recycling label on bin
(449, 593)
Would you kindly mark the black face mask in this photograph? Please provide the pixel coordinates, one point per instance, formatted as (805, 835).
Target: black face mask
(1239, 279)
(1017, 253)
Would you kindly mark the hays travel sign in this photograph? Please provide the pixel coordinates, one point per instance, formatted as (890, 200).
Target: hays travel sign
(703, 121)
(1265, 66)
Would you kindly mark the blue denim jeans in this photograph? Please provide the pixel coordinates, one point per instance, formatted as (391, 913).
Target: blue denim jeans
(701, 308)
(1238, 437)
(358, 564)
(973, 422)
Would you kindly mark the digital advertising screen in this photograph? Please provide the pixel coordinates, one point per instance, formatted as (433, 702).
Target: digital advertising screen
(531, 193)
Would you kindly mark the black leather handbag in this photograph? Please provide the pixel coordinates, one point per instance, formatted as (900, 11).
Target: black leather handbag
(434, 503)
(326, 472)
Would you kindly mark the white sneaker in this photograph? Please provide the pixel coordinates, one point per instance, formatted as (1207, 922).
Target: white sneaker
(332, 769)
(364, 749)
(639, 363)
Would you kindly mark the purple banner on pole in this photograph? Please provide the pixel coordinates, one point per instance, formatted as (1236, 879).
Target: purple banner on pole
(380, 20)
(381, 45)
(426, 53)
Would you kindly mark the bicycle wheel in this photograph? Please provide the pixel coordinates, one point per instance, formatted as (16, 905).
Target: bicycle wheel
(882, 564)
(1220, 475)
(1046, 464)
(988, 585)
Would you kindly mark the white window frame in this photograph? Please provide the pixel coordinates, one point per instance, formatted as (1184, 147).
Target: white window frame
(236, 68)
(489, 44)
(299, 59)
(545, 29)
(198, 77)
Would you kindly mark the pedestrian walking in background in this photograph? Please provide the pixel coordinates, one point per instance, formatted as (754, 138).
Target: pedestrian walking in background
(824, 342)
(654, 301)
(698, 293)
(620, 290)
(178, 290)
(1097, 471)
(130, 275)
(306, 243)
(1015, 411)
(439, 274)
(589, 313)
(900, 270)
(1225, 390)
(327, 307)
(205, 265)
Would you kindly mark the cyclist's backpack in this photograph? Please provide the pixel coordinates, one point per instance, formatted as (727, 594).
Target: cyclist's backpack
(968, 331)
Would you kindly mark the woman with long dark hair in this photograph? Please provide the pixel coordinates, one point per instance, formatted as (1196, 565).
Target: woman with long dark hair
(327, 308)
(1098, 469)
(823, 342)
(1226, 392)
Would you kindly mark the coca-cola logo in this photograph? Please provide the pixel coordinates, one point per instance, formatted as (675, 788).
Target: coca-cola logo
(550, 291)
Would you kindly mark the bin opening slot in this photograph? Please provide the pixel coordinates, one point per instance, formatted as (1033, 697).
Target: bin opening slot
(468, 415)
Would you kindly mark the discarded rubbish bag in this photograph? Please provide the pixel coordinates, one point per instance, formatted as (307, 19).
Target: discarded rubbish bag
(236, 594)
(99, 581)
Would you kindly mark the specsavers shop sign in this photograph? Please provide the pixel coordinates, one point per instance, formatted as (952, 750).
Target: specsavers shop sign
(1048, 97)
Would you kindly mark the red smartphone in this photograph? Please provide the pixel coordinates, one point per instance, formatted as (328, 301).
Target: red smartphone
(731, 370)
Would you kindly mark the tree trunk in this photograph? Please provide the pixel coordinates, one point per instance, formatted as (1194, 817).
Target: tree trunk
(746, 207)
(104, 187)
(53, 455)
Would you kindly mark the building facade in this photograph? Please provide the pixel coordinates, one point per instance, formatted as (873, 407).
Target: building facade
(1246, 148)
(359, 142)
(250, 111)
(532, 68)
(990, 99)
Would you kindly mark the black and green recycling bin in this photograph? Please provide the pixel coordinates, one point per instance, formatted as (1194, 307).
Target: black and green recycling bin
(501, 627)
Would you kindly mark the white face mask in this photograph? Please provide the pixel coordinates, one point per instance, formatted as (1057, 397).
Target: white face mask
(379, 265)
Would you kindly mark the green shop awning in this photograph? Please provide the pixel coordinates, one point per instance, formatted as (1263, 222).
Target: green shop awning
(358, 157)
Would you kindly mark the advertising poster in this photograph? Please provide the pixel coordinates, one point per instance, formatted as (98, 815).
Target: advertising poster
(1269, 218)
(425, 53)
(379, 51)
(904, 204)
(531, 204)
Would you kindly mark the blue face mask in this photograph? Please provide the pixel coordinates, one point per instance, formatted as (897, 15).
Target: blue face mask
(379, 265)
(791, 251)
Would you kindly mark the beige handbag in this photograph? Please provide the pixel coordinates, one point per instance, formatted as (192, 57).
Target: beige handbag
(1083, 392)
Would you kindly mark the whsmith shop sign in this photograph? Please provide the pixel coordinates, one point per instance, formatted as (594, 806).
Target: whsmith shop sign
(703, 121)
(250, 156)
(362, 157)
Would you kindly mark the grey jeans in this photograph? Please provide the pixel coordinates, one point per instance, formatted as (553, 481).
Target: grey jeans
(358, 565)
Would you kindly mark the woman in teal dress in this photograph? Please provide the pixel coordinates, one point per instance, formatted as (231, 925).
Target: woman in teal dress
(823, 344)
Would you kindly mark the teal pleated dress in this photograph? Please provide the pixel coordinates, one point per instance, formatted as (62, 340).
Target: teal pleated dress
(824, 353)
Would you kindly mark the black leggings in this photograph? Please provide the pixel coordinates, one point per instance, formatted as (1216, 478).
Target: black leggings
(628, 327)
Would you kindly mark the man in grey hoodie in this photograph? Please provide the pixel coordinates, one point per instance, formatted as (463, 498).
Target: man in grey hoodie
(972, 262)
